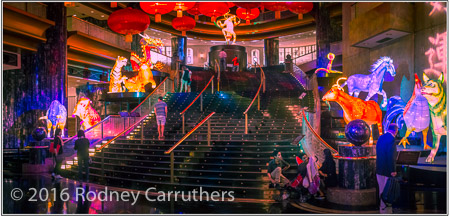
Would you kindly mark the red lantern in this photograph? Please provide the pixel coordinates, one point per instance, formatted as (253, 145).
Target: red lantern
(230, 4)
(213, 9)
(247, 5)
(128, 21)
(183, 24)
(194, 11)
(157, 8)
(183, 6)
(277, 7)
(300, 8)
(247, 14)
(113, 4)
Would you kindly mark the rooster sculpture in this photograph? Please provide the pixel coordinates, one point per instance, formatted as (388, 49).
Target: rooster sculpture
(415, 114)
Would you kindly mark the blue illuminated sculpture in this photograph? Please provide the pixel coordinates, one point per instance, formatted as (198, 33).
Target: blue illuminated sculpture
(56, 117)
(371, 83)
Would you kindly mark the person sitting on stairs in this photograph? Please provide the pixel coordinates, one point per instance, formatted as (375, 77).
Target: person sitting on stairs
(275, 169)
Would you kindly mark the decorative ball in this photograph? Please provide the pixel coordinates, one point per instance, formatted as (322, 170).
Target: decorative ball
(39, 134)
(357, 132)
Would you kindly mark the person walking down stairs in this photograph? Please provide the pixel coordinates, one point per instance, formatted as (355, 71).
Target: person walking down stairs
(161, 115)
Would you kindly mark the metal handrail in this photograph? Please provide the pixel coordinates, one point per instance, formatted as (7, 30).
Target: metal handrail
(170, 151)
(261, 84)
(201, 102)
(101, 122)
(315, 134)
(217, 65)
(136, 123)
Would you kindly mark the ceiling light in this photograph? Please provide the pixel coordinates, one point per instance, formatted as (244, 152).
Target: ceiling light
(92, 11)
(74, 15)
(102, 15)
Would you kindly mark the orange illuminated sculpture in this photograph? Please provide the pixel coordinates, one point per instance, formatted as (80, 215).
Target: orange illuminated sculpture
(89, 117)
(355, 108)
(143, 65)
(115, 78)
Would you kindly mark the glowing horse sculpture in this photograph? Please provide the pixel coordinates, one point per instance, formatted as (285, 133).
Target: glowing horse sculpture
(371, 83)
(355, 108)
(228, 27)
(434, 92)
(56, 117)
(415, 114)
(116, 79)
(143, 65)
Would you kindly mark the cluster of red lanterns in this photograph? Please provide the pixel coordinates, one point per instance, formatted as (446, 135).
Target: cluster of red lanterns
(130, 21)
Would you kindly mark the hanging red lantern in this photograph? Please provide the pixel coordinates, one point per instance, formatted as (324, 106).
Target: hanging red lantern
(183, 6)
(230, 4)
(248, 5)
(157, 8)
(247, 14)
(300, 8)
(128, 21)
(213, 9)
(277, 7)
(194, 11)
(113, 4)
(183, 24)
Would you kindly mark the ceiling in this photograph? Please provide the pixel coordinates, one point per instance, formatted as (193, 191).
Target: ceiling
(265, 26)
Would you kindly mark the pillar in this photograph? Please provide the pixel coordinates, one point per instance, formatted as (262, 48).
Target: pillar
(42, 78)
(327, 31)
(271, 51)
(179, 50)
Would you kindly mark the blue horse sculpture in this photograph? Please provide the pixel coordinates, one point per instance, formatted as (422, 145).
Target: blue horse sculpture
(373, 82)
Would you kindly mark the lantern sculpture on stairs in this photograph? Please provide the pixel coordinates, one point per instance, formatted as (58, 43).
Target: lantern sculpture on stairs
(128, 21)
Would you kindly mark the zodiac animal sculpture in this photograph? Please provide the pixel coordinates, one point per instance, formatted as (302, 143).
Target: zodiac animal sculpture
(116, 79)
(89, 117)
(228, 25)
(373, 82)
(56, 117)
(355, 108)
(143, 65)
(415, 114)
(433, 91)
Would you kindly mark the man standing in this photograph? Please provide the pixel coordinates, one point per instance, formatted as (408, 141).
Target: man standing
(161, 115)
(275, 169)
(235, 64)
(223, 60)
(386, 158)
(186, 78)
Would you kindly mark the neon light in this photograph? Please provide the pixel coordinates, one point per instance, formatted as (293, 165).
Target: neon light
(437, 55)
(330, 57)
(436, 7)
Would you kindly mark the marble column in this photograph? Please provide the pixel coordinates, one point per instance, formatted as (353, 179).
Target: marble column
(327, 31)
(271, 51)
(179, 50)
(29, 91)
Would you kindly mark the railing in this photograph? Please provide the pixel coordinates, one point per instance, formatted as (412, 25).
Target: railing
(201, 102)
(35, 8)
(77, 24)
(263, 85)
(217, 68)
(170, 151)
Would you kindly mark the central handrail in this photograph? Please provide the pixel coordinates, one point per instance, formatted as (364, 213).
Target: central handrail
(136, 123)
(170, 151)
(100, 122)
(210, 80)
(257, 95)
(189, 133)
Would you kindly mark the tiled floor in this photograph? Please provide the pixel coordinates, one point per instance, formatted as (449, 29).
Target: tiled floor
(425, 200)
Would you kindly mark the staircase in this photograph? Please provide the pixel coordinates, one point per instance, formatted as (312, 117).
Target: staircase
(233, 161)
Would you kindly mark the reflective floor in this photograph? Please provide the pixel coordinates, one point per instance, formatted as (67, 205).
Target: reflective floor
(39, 194)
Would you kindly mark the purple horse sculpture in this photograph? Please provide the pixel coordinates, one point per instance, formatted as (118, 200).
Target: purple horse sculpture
(373, 82)
(56, 117)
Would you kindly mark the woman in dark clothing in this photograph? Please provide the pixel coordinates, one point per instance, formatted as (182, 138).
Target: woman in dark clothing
(328, 169)
(82, 148)
(58, 157)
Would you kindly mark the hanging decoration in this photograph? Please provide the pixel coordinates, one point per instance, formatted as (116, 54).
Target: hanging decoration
(355, 108)
(89, 117)
(56, 117)
(128, 21)
(157, 8)
(183, 6)
(277, 7)
(183, 24)
(247, 14)
(300, 8)
(113, 4)
(373, 82)
(227, 24)
(330, 57)
(247, 5)
(213, 9)
(195, 11)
